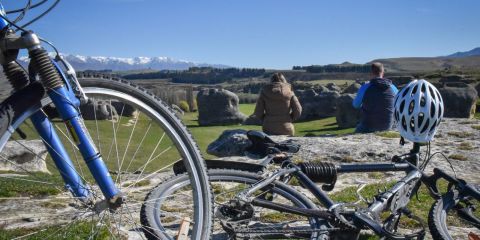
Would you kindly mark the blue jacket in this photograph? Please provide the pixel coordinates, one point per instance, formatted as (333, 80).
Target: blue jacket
(376, 101)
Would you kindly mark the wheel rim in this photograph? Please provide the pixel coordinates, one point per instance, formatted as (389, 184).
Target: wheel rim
(171, 200)
(137, 160)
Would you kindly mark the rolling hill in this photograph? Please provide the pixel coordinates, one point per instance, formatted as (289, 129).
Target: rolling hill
(430, 64)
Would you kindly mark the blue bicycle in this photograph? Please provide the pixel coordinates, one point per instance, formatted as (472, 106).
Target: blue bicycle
(78, 156)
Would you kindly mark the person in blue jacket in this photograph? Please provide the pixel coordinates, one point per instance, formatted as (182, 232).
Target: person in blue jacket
(375, 99)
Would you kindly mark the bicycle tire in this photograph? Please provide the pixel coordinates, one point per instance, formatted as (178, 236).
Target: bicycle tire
(153, 211)
(162, 118)
(441, 218)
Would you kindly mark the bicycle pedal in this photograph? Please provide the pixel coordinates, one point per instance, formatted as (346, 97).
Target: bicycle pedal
(184, 228)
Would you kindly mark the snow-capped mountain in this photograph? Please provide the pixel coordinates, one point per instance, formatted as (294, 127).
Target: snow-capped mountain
(123, 64)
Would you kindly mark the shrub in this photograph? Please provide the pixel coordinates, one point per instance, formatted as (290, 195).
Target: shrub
(184, 106)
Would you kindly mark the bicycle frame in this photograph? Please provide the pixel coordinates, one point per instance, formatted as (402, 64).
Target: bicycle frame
(381, 203)
(27, 100)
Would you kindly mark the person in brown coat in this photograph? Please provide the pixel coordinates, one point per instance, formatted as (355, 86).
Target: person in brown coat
(277, 107)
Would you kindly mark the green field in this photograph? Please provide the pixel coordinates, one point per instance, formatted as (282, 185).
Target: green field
(338, 82)
(204, 135)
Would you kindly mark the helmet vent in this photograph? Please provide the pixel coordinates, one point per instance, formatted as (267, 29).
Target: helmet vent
(414, 90)
(440, 111)
(396, 116)
(412, 124)
(404, 124)
(432, 110)
(425, 127)
(432, 93)
(411, 106)
(421, 116)
(405, 92)
(422, 102)
(433, 126)
(402, 105)
(423, 88)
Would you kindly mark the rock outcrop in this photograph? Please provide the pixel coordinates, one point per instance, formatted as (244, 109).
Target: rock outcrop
(459, 100)
(218, 107)
(95, 109)
(123, 109)
(317, 105)
(347, 116)
(352, 89)
(230, 143)
(24, 156)
(333, 87)
(400, 81)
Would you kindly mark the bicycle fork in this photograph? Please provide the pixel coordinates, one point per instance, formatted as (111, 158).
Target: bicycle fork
(67, 107)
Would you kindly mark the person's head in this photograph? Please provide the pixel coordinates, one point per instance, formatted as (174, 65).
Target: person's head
(278, 77)
(377, 69)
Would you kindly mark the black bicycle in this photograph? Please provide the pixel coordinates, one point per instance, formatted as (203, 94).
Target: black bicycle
(258, 203)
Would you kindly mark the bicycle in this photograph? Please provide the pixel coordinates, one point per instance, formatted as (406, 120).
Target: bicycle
(240, 214)
(128, 142)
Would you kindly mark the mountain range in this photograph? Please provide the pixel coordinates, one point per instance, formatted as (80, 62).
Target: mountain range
(460, 60)
(473, 52)
(82, 63)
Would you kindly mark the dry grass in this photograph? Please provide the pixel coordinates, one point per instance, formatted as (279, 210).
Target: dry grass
(465, 146)
(460, 134)
(458, 157)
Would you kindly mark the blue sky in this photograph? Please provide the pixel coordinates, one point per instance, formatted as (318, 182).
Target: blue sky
(262, 33)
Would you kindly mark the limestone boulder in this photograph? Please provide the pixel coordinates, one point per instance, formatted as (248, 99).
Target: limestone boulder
(346, 115)
(97, 109)
(352, 89)
(230, 143)
(400, 80)
(333, 87)
(218, 107)
(24, 156)
(123, 109)
(459, 100)
(317, 105)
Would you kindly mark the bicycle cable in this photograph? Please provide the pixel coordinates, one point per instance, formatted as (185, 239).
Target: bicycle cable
(31, 7)
(23, 12)
(42, 14)
(22, 28)
(446, 158)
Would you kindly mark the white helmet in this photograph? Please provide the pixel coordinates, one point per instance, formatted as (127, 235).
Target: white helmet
(418, 111)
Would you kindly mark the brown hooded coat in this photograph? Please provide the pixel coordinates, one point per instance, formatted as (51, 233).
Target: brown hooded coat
(277, 107)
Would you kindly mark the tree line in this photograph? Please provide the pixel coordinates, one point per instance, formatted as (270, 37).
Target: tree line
(359, 68)
(200, 75)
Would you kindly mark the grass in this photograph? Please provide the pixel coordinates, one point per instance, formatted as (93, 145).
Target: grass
(204, 135)
(338, 82)
(26, 186)
(419, 207)
(76, 231)
(476, 127)
(458, 157)
(460, 134)
(465, 146)
(388, 134)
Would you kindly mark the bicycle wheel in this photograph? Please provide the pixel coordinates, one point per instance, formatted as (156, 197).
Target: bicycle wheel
(454, 217)
(139, 138)
(172, 198)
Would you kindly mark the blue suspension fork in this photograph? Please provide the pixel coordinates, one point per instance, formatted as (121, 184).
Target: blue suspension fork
(80, 136)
